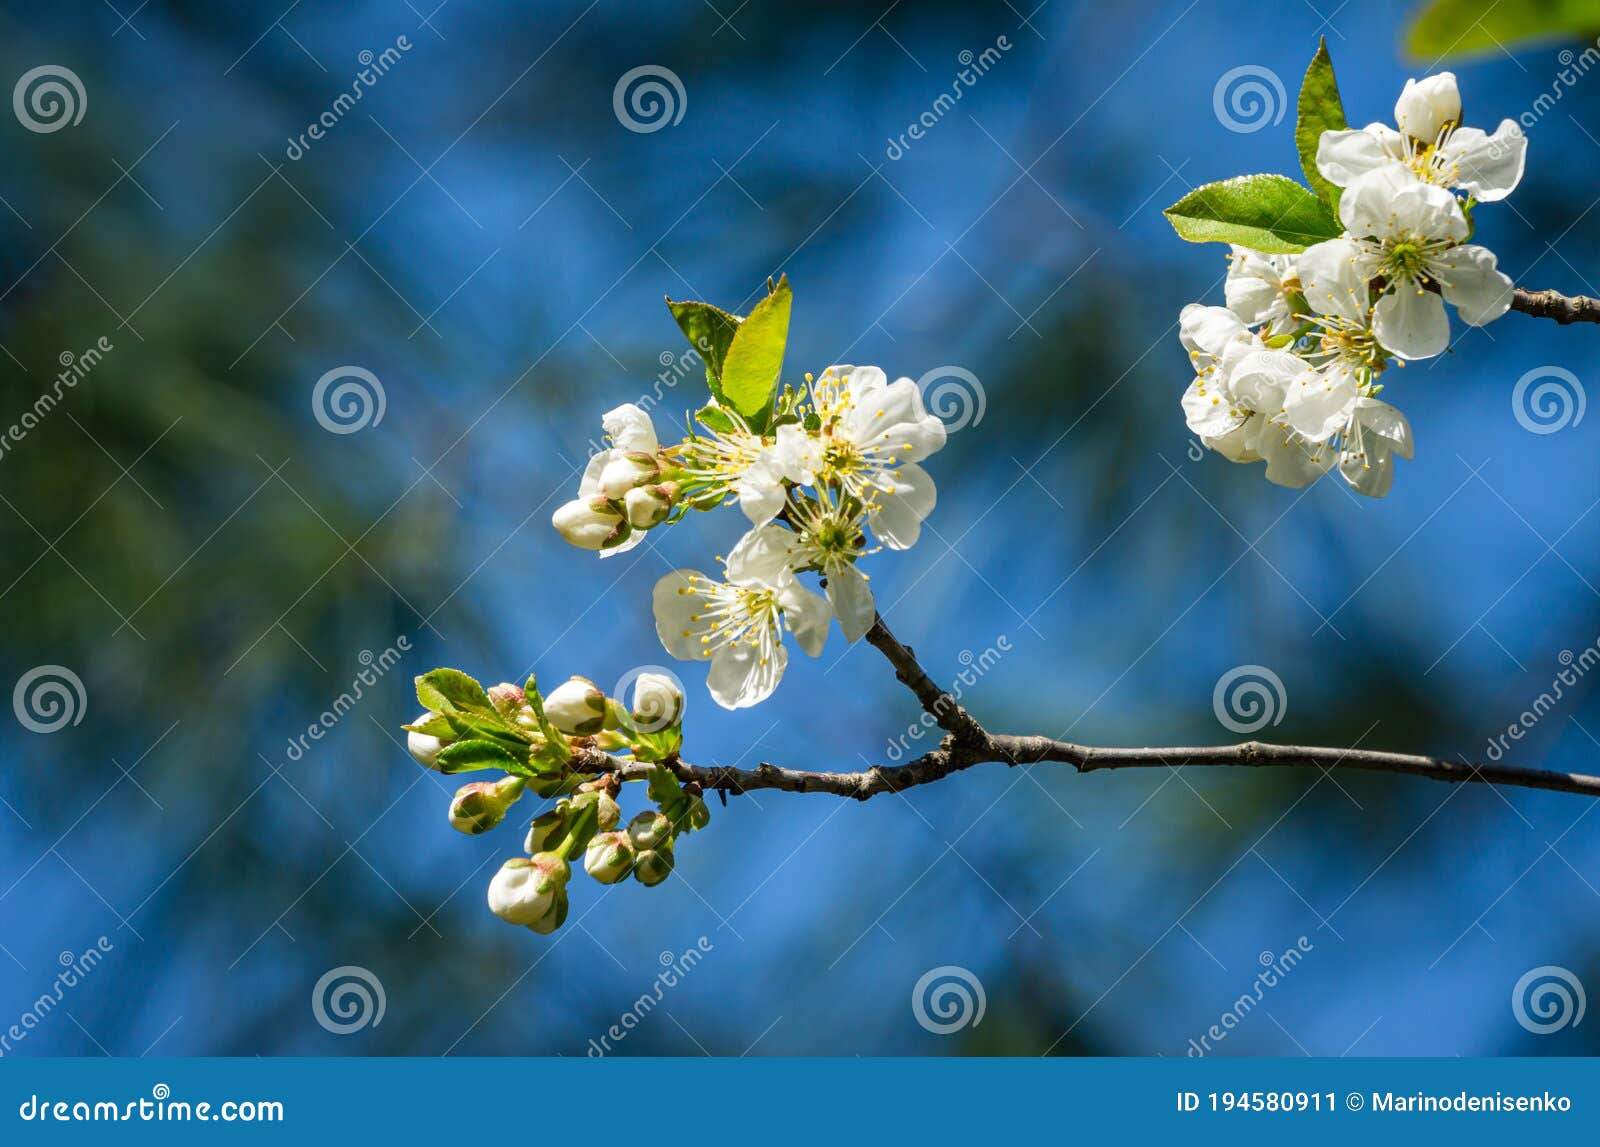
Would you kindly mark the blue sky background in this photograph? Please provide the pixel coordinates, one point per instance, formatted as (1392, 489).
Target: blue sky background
(484, 236)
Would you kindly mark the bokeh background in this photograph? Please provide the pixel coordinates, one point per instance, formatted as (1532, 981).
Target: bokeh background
(484, 235)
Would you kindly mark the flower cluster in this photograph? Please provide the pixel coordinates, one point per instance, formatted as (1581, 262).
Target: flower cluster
(1289, 372)
(553, 745)
(831, 475)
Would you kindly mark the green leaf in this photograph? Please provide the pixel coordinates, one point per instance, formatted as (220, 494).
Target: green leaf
(1320, 110)
(1452, 29)
(710, 331)
(1268, 213)
(750, 370)
(452, 691)
(469, 756)
(714, 418)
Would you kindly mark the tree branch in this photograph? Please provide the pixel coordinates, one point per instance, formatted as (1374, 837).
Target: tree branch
(967, 743)
(1562, 308)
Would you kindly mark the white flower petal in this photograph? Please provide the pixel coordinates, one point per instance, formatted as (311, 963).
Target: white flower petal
(761, 492)
(851, 598)
(1473, 283)
(899, 510)
(1208, 410)
(680, 604)
(1206, 331)
(1411, 322)
(1488, 167)
(1262, 378)
(761, 557)
(1334, 284)
(1318, 404)
(807, 614)
(745, 674)
(1291, 460)
(1345, 156)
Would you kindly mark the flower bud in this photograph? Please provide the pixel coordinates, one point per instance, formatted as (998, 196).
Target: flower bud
(577, 708)
(657, 702)
(646, 506)
(525, 888)
(547, 829)
(590, 525)
(609, 857)
(625, 471)
(555, 915)
(650, 829)
(608, 813)
(424, 748)
(652, 866)
(507, 699)
(482, 805)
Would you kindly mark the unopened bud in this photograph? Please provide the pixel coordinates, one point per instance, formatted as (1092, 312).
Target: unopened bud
(554, 916)
(547, 828)
(646, 506)
(525, 888)
(609, 857)
(650, 829)
(657, 702)
(424, 748)
(608, 814)
(625, 471)
(507, 699)
(577, 708)
(482, 805)
(590, 525)
(652, 866)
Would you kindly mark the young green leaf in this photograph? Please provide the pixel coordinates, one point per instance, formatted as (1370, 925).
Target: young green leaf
(710, 331)
(1268, 213)
(1452, 29)
(469, 756)
(1320, 110)
(750, 371)
(452, 691)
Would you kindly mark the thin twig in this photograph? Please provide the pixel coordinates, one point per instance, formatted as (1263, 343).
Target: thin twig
(967, 743)
(1563, 309)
